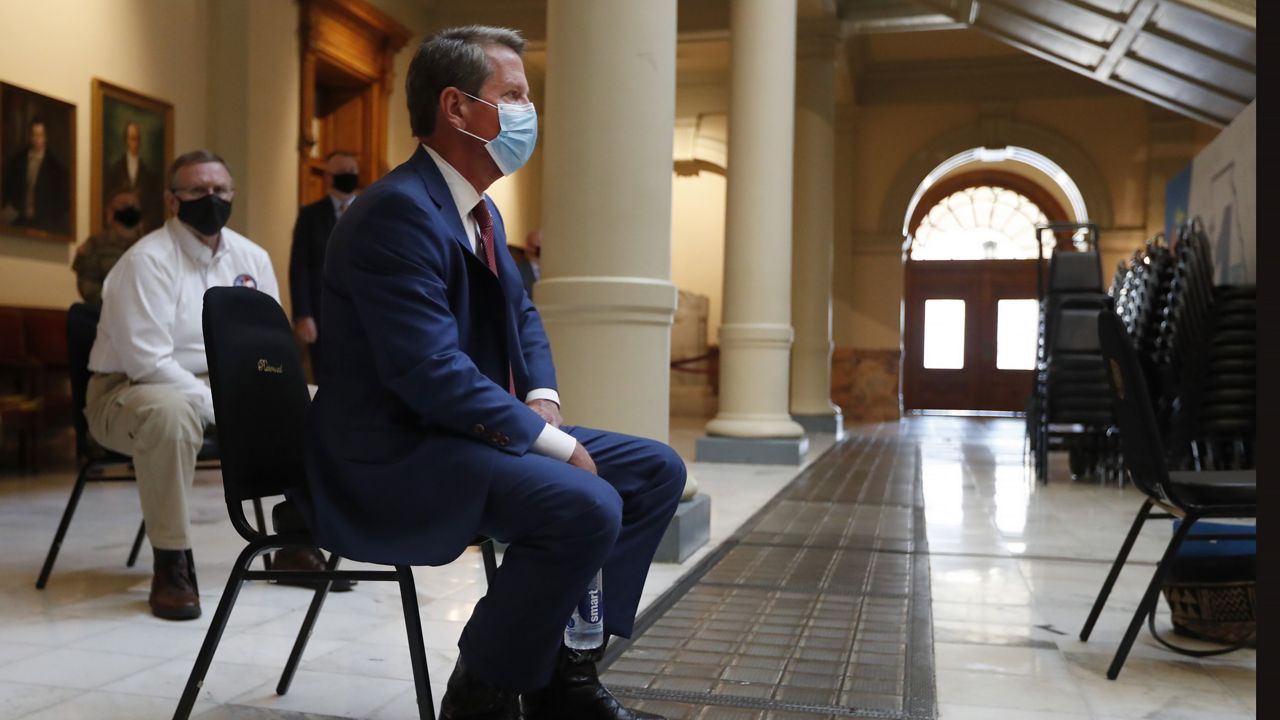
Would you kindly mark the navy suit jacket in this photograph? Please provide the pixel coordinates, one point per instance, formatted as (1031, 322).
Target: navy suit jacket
(413, 405)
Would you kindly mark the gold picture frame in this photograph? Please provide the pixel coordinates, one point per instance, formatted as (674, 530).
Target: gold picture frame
(38, 172)
(126, 122)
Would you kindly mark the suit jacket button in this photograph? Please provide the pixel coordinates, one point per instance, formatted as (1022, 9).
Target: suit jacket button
(503, 440)
(478, 429)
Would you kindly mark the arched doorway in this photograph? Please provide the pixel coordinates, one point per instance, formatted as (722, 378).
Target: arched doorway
(969, 314)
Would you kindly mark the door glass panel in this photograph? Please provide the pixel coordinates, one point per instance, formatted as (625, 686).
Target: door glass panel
(1016, 325)
(944, 334)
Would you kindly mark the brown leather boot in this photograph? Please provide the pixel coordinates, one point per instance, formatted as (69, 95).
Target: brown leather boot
(575, 692)
(174, 592)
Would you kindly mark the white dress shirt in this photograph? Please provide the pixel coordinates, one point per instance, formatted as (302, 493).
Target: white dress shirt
(151, 327)
(552, 442)
(339, 205)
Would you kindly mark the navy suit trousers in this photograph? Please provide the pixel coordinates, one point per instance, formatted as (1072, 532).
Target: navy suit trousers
(562, 525)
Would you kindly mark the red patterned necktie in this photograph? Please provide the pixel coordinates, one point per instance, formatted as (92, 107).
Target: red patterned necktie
(485, 221)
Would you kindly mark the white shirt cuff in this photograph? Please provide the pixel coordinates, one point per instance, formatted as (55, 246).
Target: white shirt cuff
(554, 443)
(542, 394)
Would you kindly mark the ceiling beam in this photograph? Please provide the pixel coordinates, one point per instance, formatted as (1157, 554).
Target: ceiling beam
(1120, 46)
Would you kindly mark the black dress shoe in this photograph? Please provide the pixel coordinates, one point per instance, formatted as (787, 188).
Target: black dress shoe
(575, 692)
(309, 560)
(467, 698)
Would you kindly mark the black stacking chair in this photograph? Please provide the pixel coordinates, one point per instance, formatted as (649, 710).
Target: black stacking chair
(1191, 496)
(96, 463)
(260, 400)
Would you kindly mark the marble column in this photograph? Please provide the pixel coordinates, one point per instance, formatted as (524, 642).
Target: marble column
(754, 422)
(605, 294)
(813, 223)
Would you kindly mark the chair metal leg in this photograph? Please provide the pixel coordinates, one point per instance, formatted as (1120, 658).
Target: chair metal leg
(61, 533)
(417, 651)
(137, 545)
(490, 560)
(1116, 566)
(214, 636)
(304, 633)
(262, 527)
(1148, 604)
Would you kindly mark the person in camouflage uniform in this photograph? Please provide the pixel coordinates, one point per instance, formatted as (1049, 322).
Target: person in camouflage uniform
(95, 258)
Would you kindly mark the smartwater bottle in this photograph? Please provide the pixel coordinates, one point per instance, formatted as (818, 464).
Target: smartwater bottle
(585, 629)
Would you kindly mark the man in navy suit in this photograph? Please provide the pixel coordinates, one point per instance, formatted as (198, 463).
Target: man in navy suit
(437, 417)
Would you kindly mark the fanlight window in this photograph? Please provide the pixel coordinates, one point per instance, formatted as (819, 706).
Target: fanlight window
(979, 223)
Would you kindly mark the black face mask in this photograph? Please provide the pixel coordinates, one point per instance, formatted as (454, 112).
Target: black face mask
(345, 182)
(128, 216)
(207, 215)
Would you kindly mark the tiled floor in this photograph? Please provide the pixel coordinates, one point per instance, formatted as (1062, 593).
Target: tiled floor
(1013, 570)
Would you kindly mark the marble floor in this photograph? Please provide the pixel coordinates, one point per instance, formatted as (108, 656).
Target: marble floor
(1014, 567)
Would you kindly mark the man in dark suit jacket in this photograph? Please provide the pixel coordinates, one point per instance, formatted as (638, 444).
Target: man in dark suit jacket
(526, 258)
(131, 172)
(36, 191)
(310, 241)
(437, 417)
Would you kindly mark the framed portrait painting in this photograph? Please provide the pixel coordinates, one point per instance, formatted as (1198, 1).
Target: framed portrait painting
(38, 150)
(132, 148)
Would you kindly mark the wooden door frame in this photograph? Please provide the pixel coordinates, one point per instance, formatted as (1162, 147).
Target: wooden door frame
(916, 271)
(981, 284)
(362, 41)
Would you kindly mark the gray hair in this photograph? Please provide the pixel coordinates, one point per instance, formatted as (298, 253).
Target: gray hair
(195, 157)
(453, 57)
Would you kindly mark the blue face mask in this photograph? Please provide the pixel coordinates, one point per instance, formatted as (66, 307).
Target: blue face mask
(513, 146)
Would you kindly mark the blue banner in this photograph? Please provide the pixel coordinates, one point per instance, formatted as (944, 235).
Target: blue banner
(1177, 202)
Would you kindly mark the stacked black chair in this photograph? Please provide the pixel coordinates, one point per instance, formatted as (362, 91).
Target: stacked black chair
(261, 417)
(1191, 496)
(1141, 294)
(1206, 356)
(1070, 408)
(96, 463)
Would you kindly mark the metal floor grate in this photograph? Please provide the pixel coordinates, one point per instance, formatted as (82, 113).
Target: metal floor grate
(817, 608)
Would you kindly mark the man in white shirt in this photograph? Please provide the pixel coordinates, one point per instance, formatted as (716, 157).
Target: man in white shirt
(149, 395)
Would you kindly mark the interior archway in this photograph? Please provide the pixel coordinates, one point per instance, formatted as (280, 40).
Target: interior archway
(997, 204)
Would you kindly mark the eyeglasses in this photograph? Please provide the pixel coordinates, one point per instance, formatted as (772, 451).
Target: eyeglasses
(195, 193)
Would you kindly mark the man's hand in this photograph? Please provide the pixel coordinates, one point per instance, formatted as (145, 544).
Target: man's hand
(305, 329)
(550, 412)
(581, 459)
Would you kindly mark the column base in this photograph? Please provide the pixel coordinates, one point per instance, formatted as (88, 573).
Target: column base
(825, 423)
(689, 530)
(752, 451)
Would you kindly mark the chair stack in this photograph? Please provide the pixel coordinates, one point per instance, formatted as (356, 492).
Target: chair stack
(1070, 402)
(1141, 293)
(1206, 357)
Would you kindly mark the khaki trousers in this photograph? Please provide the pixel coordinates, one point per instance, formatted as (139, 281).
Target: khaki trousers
(160, 429)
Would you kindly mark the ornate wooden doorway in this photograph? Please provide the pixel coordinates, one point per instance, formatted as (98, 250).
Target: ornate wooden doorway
(348, 51)
(970, 315)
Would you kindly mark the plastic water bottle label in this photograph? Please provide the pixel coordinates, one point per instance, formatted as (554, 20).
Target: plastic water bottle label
(585, 628)
(590, 607)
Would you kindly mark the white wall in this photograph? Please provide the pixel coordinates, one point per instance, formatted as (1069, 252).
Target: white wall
(57, 47)
(1224, 183)
(697, 240)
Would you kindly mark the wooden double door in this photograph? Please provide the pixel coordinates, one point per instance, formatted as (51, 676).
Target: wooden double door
(969, 334)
